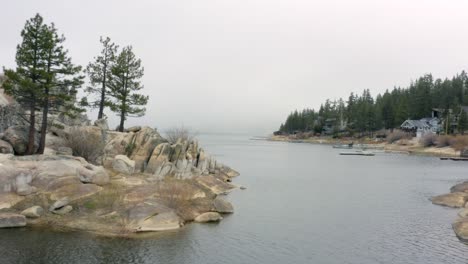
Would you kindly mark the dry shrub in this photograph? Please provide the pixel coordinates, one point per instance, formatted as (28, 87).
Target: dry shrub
(428, 140)
(397, 135)
(183, 133)
(85, 144)
(304, 135)
(445, 141)
(459, 142)
(403, 142)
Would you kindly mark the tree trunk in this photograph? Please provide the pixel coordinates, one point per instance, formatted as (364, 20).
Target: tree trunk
(45, 112)
(103, 95)
(122, 120)
(101, 104)
(32, 122)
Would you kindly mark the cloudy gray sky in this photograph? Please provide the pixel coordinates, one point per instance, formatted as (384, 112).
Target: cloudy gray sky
(242, 66)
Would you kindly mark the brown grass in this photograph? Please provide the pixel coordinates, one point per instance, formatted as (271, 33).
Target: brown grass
(397, 135)
(459, 142)
(179, 133)
(428, 140)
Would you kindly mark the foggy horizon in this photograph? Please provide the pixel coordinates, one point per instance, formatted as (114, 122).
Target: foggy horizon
(218, 66)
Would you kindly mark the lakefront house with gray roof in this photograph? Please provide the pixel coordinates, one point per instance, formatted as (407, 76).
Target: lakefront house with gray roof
(422, 126)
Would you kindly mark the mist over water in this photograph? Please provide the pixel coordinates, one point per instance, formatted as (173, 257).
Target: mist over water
(304, 204)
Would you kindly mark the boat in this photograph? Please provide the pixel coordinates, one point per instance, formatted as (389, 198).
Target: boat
(358, 153)
(343, 146)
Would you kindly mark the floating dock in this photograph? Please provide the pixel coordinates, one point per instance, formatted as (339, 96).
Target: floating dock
(358, 153)
(454, 158)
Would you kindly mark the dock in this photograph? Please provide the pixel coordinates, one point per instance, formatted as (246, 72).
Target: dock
(358, 153)
(454, 158)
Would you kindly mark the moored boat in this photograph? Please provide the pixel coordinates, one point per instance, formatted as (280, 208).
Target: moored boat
(343, 146)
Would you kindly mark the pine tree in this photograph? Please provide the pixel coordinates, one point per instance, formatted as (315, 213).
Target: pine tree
(99, 72)
(44, 78)
(58, 91)
(124, 83)
(462, 122)
(26, 81)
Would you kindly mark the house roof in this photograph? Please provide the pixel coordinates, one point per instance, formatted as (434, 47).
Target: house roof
(415, 124)
(424, 123)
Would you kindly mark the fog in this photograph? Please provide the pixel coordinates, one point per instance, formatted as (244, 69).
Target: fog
(242, 66)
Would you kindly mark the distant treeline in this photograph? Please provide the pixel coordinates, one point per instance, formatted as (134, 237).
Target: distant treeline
(364, 113)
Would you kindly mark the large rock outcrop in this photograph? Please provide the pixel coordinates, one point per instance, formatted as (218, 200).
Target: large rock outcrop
(184, 160)
(145, 183)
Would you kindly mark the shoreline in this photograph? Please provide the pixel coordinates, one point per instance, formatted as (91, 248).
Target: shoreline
(412, 147)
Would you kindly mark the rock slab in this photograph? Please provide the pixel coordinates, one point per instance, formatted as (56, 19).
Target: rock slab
(12, 220)
(455, 199)
(208, 217)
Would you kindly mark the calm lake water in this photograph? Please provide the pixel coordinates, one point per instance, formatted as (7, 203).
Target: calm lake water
(304, 204)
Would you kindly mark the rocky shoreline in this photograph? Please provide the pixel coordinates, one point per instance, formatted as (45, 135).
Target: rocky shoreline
(457, 198)
(410, 147)
(142, 183)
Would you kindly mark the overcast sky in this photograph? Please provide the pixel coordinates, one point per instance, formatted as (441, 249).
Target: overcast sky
(243, 65)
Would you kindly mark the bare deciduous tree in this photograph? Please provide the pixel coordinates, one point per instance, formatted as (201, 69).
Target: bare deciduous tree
(183, 133)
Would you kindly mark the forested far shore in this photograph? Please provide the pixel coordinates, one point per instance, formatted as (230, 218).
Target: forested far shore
(364, 113)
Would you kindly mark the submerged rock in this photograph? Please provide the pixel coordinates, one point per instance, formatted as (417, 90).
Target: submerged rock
(12, 220)
(33, 212)
(208, 217)
(455, 200)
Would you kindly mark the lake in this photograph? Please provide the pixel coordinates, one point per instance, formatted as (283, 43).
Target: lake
(304, 204)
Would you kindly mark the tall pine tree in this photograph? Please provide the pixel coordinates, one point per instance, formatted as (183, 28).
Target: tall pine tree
(124, 85)
(26, 81)
(99, 72)
(58, 91)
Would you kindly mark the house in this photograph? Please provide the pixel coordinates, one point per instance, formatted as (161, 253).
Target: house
(422, 126)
